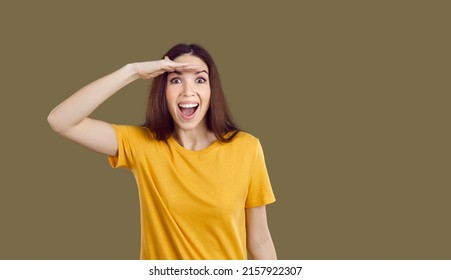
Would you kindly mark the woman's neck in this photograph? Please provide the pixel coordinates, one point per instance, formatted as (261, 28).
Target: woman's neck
(195, 139)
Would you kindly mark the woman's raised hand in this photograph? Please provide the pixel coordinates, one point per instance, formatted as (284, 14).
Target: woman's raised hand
(71, 117)
(151, 69)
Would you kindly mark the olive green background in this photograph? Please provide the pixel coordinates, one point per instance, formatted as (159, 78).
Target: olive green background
(350, 100)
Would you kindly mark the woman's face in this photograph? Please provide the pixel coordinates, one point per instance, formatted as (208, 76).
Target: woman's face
(188, 94)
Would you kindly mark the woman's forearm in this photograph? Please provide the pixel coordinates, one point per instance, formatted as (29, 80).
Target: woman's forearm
(82, 103)
(259, 241)
(263, 251)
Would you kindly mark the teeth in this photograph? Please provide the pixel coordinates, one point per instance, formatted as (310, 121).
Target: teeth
(192, 105)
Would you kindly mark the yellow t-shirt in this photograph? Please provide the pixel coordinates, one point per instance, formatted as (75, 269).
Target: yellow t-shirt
(193, 202)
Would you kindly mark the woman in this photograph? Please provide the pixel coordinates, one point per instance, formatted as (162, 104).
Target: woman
(202, 183)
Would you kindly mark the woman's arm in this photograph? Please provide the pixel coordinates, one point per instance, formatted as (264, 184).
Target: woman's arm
(70, 118)
(259, 241)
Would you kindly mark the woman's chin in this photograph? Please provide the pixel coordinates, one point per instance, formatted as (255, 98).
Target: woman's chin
(189, 126)
(196, 121)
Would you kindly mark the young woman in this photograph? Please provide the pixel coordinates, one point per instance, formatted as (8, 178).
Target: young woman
(203, 184)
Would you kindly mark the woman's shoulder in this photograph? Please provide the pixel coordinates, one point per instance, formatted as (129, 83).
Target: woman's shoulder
(244, 144)
(133, 131)
(243, 137)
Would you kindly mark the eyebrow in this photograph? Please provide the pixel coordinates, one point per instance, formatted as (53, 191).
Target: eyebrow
(196, 73)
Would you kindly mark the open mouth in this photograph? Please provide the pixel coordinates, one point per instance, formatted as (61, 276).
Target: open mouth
(188, 109)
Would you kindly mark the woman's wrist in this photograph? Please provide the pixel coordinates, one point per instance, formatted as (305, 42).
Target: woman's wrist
(131, 71)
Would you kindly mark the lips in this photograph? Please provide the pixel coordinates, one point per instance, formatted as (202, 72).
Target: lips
(188, 109)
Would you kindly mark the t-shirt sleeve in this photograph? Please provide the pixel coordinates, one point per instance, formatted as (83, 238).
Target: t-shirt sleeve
(260, 190)
(125, 154)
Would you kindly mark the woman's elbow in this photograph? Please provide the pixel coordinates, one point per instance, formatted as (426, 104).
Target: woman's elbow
(56, 123)
(53, 122)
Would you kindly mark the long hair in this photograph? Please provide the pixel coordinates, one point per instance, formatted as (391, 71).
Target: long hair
(218, 117)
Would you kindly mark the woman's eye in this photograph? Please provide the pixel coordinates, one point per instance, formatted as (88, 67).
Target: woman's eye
(200, 80)
(175, 81)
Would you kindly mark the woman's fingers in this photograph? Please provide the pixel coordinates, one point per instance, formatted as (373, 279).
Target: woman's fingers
(152, 69)
(178, 66)
(174, 66)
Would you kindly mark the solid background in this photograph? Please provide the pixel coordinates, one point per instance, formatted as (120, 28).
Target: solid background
(350, 100)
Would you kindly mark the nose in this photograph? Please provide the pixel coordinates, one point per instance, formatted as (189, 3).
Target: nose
(188, 89)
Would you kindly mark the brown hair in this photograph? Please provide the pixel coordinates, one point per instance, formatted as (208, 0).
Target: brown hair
(218, 117)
